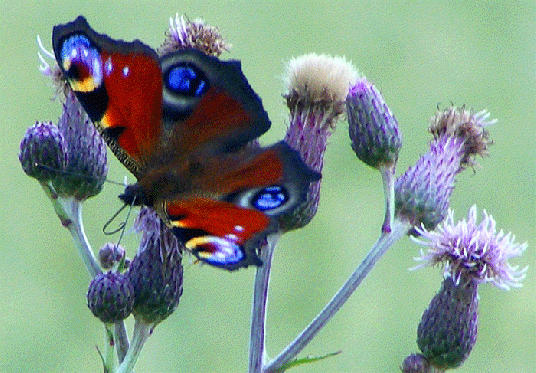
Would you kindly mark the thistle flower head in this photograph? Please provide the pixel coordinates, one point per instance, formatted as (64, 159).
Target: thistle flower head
(196, 34)
(372, 126)
(423, 192)
(110, 297)
(156, 270)
(467, 125)
(468, 249)
(86, 167)
(316, 89)
(319, 84)
(71, 156)
(43, 151)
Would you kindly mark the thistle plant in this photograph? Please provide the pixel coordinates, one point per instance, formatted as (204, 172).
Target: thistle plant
(69, 161)
(471, 254)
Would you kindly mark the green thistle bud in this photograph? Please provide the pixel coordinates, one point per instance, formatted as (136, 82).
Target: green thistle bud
(110, 297)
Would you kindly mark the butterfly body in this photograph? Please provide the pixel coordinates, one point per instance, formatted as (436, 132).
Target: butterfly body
(183, 124)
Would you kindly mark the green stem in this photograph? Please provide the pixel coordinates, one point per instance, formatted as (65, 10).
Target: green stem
(399, 229)
(69, 210)
(142, 331)
(388, 178)
(109, 348)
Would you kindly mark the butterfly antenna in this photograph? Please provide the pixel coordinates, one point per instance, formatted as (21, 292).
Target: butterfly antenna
(109, 222)
(124, 223)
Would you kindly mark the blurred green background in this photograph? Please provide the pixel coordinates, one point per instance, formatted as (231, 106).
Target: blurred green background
(420, 54)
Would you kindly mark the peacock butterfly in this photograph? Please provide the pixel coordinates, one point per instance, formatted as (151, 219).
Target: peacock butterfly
(183, 124)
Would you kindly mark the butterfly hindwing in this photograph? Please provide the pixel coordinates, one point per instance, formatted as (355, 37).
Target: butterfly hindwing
(227, 231)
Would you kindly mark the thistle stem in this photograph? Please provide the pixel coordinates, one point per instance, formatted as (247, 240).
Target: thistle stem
(385, 241)
(258, 312)
(388, 178)
(109, 347)
(69, 210)
(121, 340)
(142, 331)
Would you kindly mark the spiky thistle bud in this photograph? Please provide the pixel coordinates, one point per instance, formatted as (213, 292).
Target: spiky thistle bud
(156, 270)
(110, 255)
(372, 126)
(423, 192)
(196, 34)
(415, 363)
(110, 297)
(316, 89)
(86, 167)
(52, 71)
(374, 137)
(471, 253)
(448, 328)
(43, 152)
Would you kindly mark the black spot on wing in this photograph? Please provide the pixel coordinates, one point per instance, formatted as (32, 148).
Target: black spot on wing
(95, 103)
(184, 234)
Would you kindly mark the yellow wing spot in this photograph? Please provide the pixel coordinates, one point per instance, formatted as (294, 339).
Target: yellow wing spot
(85, 85)
(197, 241)
(204, 255)
(177, 223)
(66, 64)
(105, 121)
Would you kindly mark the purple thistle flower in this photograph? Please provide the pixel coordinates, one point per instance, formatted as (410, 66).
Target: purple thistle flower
(468, 249)
(471, 253)
(422, 193)
(156, 270)
(316, 89)
(183, 34)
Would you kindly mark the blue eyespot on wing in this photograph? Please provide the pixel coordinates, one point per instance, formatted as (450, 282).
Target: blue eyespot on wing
(186, 79)
(270, 198)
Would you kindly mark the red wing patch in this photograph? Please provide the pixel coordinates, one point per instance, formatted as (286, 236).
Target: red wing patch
(219, 233)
